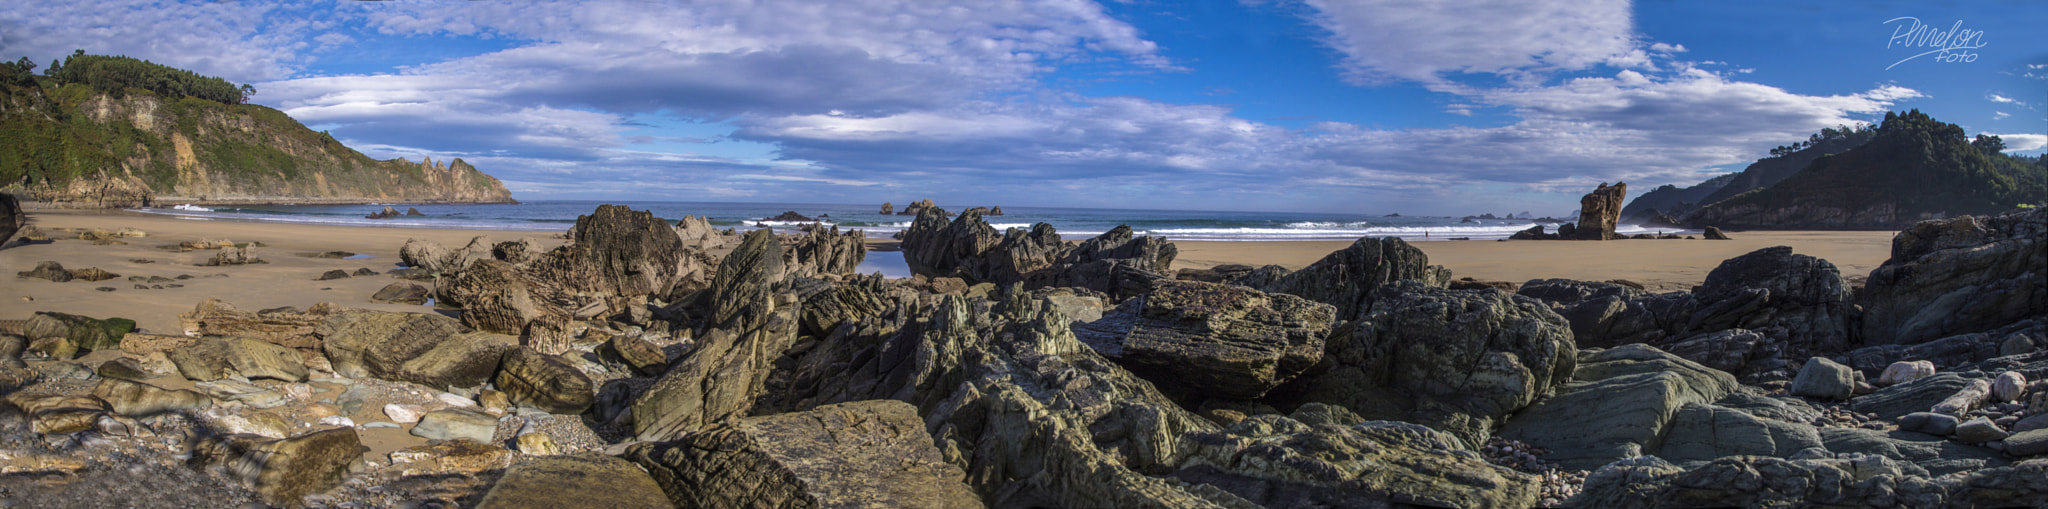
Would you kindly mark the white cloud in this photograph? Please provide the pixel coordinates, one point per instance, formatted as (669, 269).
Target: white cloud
(240, 41)
(2023, 142)
(1999, 115)
(1423, 41)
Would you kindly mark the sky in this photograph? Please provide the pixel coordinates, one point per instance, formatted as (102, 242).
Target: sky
(1368, 106)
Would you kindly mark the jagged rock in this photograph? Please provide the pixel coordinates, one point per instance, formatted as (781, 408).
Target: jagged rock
(141, 400)
(1602, 315)
(214, 358)
(1619, 404)
(643, 357)
(426, 349)
(49, 270)
(1713, 233)
(1959, 275)
(1599, 212)
(494, 297)
(698, 232)
(1799, 300)
(92, 274)
(69, 335)
(572, 481)
(1348, 277)
(401, 293)
(1931, 423)
(621, 257)
(1277, 462)
(1213, 340)
(515, 251)
(1905, 371)
(456, 423)
(825, 251)
(875, 452)
(284, 471)
(285, 327)
(1979, 430)
(1116, 262)
(917, 208)
(332, 275)
(539, 380)
(244, 255)
(854, 299)
(1915, 396)
(1454, 360)
(887, 209)
(728, 365)
(1824, 379)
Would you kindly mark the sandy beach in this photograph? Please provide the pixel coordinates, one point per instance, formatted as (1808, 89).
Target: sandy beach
(289, 279)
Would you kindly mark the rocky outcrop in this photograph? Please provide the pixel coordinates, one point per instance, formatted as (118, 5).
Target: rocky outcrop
(571, 481)
(1962, 275)
(820, 250)
(1606, 315)
(697, 232)
(790, 217)
(495, 297)
(1819, 480)
(1116, 262)
(887, 209)
(283, 471)
(874, 452)
(729, 365)
(1213, 340)
(542, 381)
(1599, 212)
(917, 208)
(621, 255)
(426, 349)
(286, 327)
(1276, 461)
(1348, 278)
(12, 219)
(1453, 360)
(1619, 404)
(1795, 299)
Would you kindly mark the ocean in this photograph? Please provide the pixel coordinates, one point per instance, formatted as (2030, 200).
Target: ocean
(1072, 223)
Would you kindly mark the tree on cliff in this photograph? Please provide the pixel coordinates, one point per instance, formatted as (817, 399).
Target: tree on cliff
(115, 74)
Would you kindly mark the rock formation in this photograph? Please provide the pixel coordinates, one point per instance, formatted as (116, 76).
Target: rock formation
(917, 208)
(1213, 340)
(820, 250)
(1599, 212)
(887, 209)
(1116, 262)
(1961, 275)
(1347, 278)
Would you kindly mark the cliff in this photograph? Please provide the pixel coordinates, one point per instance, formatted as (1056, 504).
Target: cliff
(1915, 168)
(75, 144)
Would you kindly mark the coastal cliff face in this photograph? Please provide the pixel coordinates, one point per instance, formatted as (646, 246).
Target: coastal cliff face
(78, 146)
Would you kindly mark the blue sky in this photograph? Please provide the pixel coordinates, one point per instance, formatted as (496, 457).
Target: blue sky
(1371, 106)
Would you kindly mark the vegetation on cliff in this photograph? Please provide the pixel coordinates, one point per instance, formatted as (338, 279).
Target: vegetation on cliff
(120, 132)
(1785, 160)
(1913, 168)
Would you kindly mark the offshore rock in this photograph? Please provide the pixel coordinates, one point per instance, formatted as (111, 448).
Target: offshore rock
(874, 452)
(1279, 462)
(570, 481)
(283, 471)
(1213, 340)
(1619, 404)
(1599, 212)
(1348, 277)
(1453, 360)
(1960, 275)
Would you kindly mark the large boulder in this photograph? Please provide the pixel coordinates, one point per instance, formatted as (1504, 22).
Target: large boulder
(214, 358)
(426, 349)
(64, 335)
(697, 232)
(283, 471)
(1213, 340)
(618, 252)
(1599, 212)
(542, 381)
(494, 297)
(1960, 275)
(1620, 403)
(547, 482)
(874, 452)
(1275, 461)
(287, 327)
(1454, 360)
(1797, 299)
(1348, 277)
(142, 400)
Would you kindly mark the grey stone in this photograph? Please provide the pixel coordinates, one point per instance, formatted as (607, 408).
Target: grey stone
(1349, 278)
(1979, 430)
(1705, 432)
(1619, 405)
(1958, 275)
(1212, 339)
(454, 423)
(1931, 423)
(1916, 396)
(2028, 443)
(1825, 379)
(1369, 464)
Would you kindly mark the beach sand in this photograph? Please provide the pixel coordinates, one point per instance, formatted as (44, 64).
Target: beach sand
(288, 280)
(1660, 265)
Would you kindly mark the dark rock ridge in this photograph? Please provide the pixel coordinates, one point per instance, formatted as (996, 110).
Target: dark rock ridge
(11, 218)
(1115, 262)
(1955, 276)
(1197, 340)
(791, 217)
(1348, 277)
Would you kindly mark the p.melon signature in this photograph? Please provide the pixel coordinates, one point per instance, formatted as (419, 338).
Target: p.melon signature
(1952, 45)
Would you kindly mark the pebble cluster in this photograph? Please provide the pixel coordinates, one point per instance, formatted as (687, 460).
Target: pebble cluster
(1838, 416)
(1559, 485)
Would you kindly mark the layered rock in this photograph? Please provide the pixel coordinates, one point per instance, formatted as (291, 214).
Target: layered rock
(1618, 404)
(1453, 360)
(1198, 340)
(1599, 211)
(729, 365)
(874, 452)
(283, 471)
(1797, 299)
(1348, 278)
(1116, 262)
(570, 481)
(1961, 275)
(1818, 481)
(542, 381)
(426, 349)
(284, 327)
(825, 251)
(1276, 461)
